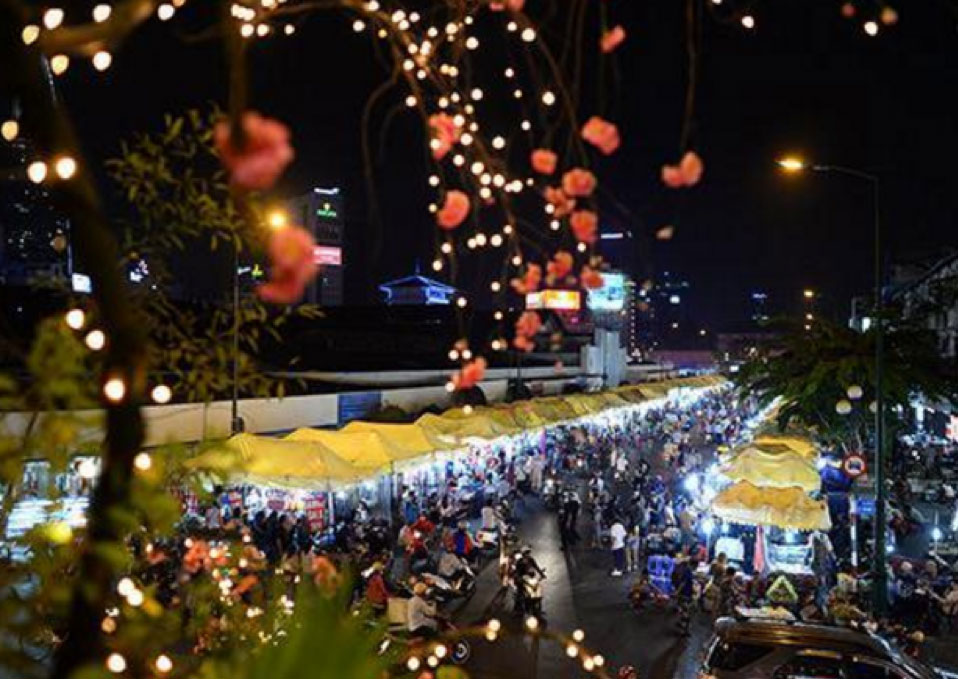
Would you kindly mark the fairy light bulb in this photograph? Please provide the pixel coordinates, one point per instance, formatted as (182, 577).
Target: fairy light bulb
(433, 180)
(450, 387)
(247, 30)
(165, 12)
(101, 13)
(114, 389)
(507, 229)
(125, 587)
(466, 139)
(582, 247)
(480, 239)
(526, 126)
(116, 663)
(517, 93)
(528, 34)
(496, 240)
(433, 208)
(458, 160)
(485, 179)
(548, 98)
(359, 25)
(748, 21)
(382, 33)
(411, 101)
(135, 598)
(437, 265)
(471, 243)
(289, 29)
(163, 664)
(102, 60)
(95, 340)
(446, 248)
(532, 623)
(87, 470)
(512, 26)
(517, 260)
(578, 636)
(554, 224)
(59, 64)
(161, 394)
(443, 102)
(477, 167)
(75, 318)
(572, 650)
(498, 317)
(495, 286)
(262, 30)
(461, 302)
(498, 142)
(143, 462)
(588, 664)
(52, 18)
(37, 171)
(871, 28)
(476, 93)
(65, 167)
(29, 34)
(598, 660)
(485, 193)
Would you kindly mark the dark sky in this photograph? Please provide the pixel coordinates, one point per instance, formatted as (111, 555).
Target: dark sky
(805, 79)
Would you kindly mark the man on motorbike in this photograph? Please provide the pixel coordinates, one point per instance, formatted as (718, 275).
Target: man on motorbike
(421, 614)
(525, 566)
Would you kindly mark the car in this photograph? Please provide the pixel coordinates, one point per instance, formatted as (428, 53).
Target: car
(773, 649)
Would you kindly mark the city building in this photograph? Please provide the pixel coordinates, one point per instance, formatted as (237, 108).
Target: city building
(932, 298)
(322, 212)
(34, 238)
(416, 290)
(759, 307)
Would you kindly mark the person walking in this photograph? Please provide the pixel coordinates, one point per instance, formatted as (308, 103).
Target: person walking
(617, 535)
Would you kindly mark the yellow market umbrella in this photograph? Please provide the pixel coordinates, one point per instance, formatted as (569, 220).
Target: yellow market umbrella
(746, 503)
(777, 467)
(277, 463)
(407, 440)
(362, 449)
(799, 444)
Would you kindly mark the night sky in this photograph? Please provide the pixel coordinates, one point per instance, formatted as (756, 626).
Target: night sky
(804, 80)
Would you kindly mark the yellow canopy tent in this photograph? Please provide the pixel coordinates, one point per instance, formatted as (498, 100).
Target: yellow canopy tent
(577, 404)
(746, 503)
(525, 414)
(456, 429)
(654, 390)
(502, 415)
(630, 394)
(278, 463)
(798, 444)
(613, 400)
(408, 441)
(777, 467)
(366, 450)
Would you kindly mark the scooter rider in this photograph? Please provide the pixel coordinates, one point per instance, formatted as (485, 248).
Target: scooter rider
(525, 566)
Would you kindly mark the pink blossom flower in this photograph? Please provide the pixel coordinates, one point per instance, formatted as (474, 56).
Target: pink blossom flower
(602, 134)
(585, 226)
(612, 39)
(454, 210)
(687, 173)
(590, 278)
(544, 161)
(444, 133)
(561, 203)
(578, 183)
(262, 160)
(292, 265)
(561, 265)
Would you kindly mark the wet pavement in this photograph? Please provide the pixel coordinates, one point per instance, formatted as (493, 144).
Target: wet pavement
(579, 594)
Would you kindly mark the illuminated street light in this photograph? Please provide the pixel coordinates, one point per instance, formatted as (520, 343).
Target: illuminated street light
(808, 293)
(791, 164)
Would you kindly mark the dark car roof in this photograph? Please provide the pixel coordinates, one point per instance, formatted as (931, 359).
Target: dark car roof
(822, 636)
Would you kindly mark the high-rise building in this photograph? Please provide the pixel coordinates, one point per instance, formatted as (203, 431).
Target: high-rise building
(759, 306)
(321, 212)
(34, 238)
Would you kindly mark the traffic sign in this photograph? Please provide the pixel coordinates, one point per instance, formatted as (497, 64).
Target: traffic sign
(854, 465)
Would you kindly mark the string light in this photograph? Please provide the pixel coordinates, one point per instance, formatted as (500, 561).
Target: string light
(507, 229)
(471, 243)
(437, 265)
(10, 129)
(498, 142)
(53, 17)
(466, 354)
(433, 180)
(95, 340)
(512, 26)
(498, 317)
(466, 139)
(382, 33)
(480, 239)
(143, 462)
(289, 29)
(37, 171)
(411, 101)
(472, 42)
(532, 623)
(526, 125)
(116, 663)
(517, 93)
(359, 25)
(446, 248)
(496, 240)
(477, 167)
(517, 260)
(554, 224)
(572, 650)
(101, 13)
(135, 598)
(161, 394)
(65, 167)
(582, 247)
(485, 193)
(461, 302)
(748, 21)
(450, 387)
(29, 34)
(262, 30)
(59, 64)
(476, 93)
(548, 98)
(588, 664)
(247, 30)
(114, 389)
(458, 160)
(75, 318)
(165, 12)
(495, 286)
(871, 28)
(102, 60)
(528, 34)
(578, 636)
(163, 664)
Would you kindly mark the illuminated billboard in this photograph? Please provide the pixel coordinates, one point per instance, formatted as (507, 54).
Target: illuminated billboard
(327, 255)
(555, 300)
(611, 296)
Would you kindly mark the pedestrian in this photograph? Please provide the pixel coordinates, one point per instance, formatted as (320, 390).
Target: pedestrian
(617, 535)
(633, 548)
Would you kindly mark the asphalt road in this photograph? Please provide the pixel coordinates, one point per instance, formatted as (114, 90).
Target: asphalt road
(579, 594)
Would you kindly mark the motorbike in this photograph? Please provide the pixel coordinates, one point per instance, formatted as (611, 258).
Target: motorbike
(458, 651)
(552, 494)
(530, 601)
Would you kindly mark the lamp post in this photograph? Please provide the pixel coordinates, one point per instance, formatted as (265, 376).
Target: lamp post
(792, 164)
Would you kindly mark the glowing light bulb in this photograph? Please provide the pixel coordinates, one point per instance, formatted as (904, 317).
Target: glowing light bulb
(95, 340)
(495, 286)
(116, 663)
(532, 623)
(466, 139)
(359, 25)
(517, 260)
(29, 34)
(871, 28)
(114, 389)
(578, 636)
(262, 30)
(289, 29)
(458, 160)
(102, 60)
(512, 26)
(498, 317)
(165, 12)
(507, 229)
(476, 93)
(161, 394)
(572, 650)
(450, 387)
(528, 35)
(75, 318)
(411, 101)
(582, 247)
(498, 142)
(748, 21)
(480, 239)
(496, 240)
(53, 17)
(59, 64)
(526, 125)
(101, 13)
(37, 171)
(87, 470)
(10, 129)
(135, 598)
(247, 30)
(461, 302)
(143, 462)
(477, 167)
(437, 265)
(65, 167)
(548, 98)
(446, 248)
(472, 42)
(554, 224)
(125, 587)
(163, 664)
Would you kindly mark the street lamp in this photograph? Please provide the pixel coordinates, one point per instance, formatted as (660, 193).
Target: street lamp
(794, 164)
